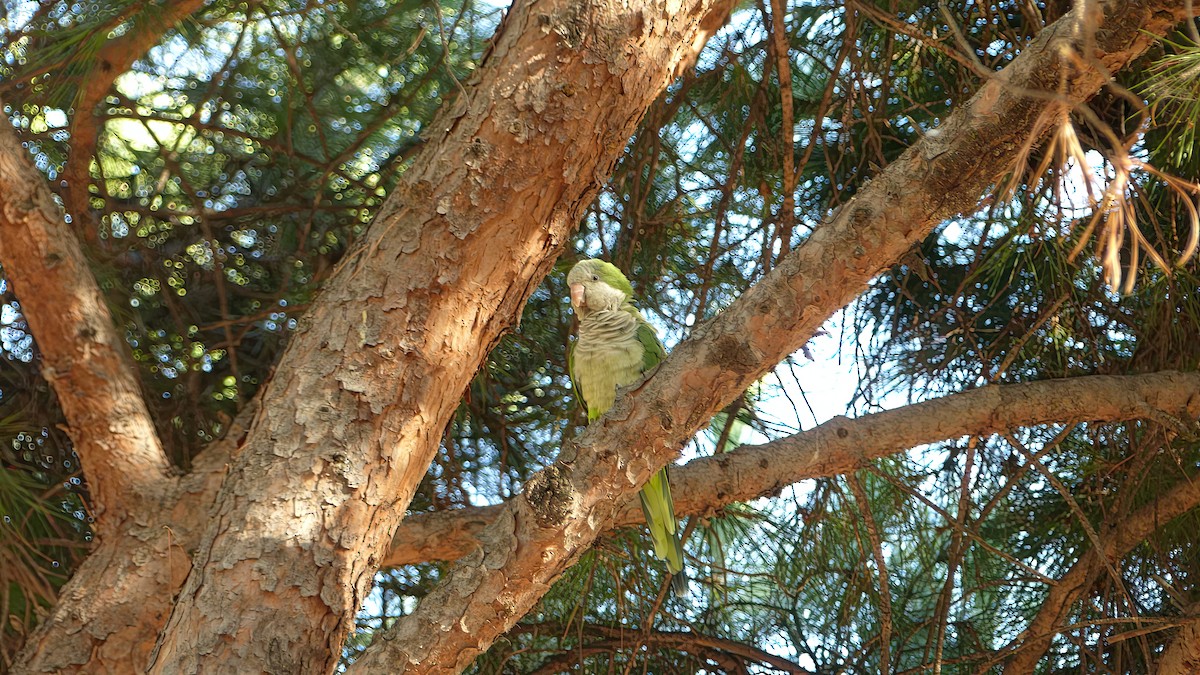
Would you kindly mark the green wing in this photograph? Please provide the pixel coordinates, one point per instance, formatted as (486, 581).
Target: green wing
(653, 352)
(574, 379)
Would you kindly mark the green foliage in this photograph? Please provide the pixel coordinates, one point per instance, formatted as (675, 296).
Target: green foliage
(1173, 89)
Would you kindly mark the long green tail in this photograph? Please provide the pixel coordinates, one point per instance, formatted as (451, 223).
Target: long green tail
(659, 510)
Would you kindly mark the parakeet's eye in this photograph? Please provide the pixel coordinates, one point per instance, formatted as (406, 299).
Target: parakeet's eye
(595, 277)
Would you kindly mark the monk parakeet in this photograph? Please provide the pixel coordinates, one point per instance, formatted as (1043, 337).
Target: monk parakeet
(615, 345)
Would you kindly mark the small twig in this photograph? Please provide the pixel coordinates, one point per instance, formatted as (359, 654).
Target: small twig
(885, 593)
(1086, 524)
(779, 45)
(942, 611)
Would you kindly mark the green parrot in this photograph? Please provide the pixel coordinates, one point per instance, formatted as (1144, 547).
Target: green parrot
(615, 345)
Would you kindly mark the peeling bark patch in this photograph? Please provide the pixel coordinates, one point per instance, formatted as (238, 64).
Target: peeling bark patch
(477, 153)
(551, 496)
(663, 413)
(570, 25)
(601, 35)
(521, 131)
(735, 354)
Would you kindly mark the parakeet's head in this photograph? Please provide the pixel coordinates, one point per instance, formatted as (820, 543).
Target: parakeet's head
(597, 285)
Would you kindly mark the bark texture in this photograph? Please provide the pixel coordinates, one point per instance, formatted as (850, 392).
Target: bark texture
(1182, 656)
(120, 597)
(354, 413)
(84, 358)
(842, 445)
(567, 505)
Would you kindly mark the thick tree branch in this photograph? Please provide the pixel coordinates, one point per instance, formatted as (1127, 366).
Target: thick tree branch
(137, 566)
(1027, 649)
(843, 445)
(1182, 655)
(122, 593)
(567, 505)
(355, 410)
(84, 357)
(113, 60)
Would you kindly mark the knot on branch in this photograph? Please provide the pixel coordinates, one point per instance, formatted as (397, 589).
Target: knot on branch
(550, 496)
(735, 353)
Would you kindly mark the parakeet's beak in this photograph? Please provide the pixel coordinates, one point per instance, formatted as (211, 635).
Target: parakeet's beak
(577, 295)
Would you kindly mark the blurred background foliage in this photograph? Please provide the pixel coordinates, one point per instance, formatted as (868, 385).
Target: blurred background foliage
(240, 157)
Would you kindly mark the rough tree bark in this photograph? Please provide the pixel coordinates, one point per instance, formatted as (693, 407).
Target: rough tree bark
(566, 506)
(843, 445)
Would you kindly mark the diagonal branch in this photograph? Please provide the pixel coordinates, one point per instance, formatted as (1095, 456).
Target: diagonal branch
(568, 504)
(113, 60)
(618, 638)
(1027, 649)
(84, 357)
(843, 445)
(1182, 655)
